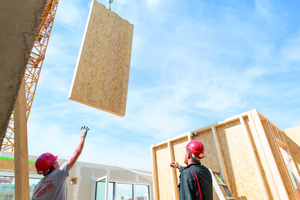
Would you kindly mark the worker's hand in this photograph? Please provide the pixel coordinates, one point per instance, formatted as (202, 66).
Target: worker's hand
(174, 164)
(84, 131)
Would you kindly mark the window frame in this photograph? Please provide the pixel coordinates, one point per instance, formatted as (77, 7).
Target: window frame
(133, 184)
(106, 186)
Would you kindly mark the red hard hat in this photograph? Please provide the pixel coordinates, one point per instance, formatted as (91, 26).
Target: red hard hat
(196, 148)
(44, 162)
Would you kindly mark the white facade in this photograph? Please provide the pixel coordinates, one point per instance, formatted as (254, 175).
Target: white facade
(89, 181)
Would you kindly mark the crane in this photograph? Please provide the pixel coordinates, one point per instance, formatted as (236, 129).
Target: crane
(33, 67)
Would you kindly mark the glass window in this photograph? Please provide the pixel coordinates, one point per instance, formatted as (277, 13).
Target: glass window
(141, 192)
(7, 187)
(32, 183)
(100, 189)
(124, 191)
(111, 188)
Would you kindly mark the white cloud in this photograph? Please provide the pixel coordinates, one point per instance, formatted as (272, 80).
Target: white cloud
(71, 15)
(153, 3)
(263, 7)
(290, 52)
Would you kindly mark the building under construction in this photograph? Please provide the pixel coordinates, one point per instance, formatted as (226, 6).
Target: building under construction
(253, 157)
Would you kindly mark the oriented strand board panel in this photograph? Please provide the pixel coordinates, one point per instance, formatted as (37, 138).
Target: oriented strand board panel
(164, 176)
(9, 165)
(102, 72)
(210, 159)
(19, 22)
(179, 152)
(292, 137)
(242, 176)
(257, 155)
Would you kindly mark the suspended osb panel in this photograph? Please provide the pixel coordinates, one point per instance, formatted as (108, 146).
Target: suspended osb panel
(19, 22)
(249, 151)
(102, 72)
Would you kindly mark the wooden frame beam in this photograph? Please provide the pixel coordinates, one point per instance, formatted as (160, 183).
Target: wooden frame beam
(173, 171)
(251, 146)
(268, 159)
(154, 175)
(220, 154)
(21, 148)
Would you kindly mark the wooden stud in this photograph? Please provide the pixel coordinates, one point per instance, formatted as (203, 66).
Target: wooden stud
(287, 156)
(173, 171)
(220, 154)
(251, 148)
(281, 144)
(292, 138)
(199, 130)
(263, 158)
(288, 159)
(281, 161)
(189, 136)
(276, 182)
(291, 162)
(21, 149)
(154, 175)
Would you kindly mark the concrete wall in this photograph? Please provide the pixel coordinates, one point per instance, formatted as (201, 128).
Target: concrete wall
(19, 22)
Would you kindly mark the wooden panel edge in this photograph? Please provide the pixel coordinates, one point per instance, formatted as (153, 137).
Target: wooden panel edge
(154, 174)
(250, 146)
(269, 159)
(81, 47)
(87, 104)
(220, 154)
(173, 171)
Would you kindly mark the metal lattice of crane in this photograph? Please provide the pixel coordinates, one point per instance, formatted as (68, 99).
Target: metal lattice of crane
(33, 67)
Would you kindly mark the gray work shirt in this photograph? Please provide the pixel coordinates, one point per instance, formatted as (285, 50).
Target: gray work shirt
(53, 185)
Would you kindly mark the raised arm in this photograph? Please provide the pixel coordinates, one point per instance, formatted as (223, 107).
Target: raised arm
(78, 150)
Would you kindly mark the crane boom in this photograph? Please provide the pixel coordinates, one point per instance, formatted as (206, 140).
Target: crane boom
(33, 68)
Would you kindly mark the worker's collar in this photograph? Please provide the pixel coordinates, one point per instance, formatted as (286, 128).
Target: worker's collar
(194, 163)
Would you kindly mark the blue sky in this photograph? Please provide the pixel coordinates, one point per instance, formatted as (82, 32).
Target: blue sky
(193, 63)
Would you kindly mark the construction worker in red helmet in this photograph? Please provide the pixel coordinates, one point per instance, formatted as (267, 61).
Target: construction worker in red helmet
(195, 178)
(53, 185)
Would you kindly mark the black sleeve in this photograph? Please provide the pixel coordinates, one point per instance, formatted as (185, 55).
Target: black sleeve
(181, 168)
(185, 186)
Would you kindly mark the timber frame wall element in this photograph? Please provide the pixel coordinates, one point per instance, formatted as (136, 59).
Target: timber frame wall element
(250, 152)
(292, 137)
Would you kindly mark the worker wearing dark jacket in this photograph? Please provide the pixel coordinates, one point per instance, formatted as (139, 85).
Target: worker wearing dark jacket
(195, 178)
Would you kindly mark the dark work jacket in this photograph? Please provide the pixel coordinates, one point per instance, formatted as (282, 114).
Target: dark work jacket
(188, 187)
